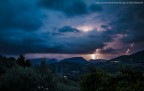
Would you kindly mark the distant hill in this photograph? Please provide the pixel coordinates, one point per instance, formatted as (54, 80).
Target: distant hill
(38, 61)
(74, 65)
(134, 61)
(136, 57)
(120, 58)
(97, 61)
(75, 60)
(78, 65)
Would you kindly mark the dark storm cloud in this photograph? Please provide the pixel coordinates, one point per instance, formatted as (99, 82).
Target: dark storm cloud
(71, 7)
(20, 47)
(17, 42)
(74, 42)
(70, 42)
(95, 8)
(104, 27)
(18, 22)
(130, 22)
(67, 29)
(19, 15)
(23, 26)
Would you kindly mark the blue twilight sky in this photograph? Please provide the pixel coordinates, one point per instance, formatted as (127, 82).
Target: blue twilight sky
(66, 28)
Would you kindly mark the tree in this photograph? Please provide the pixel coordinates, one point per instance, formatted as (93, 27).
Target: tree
(47, 78)
(126, 80)
(27, 63)
(22, 62)
(28, 79)
(6, 64)
(92, 81)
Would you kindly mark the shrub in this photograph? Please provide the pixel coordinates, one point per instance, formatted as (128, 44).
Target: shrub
(19, 79)
(22, 62)
(92, 81)
(27, 79)
(126, 80)
(65, 87)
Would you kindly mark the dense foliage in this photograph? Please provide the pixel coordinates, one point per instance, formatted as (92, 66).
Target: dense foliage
(125, 80)
(20, 75)
(22, 62)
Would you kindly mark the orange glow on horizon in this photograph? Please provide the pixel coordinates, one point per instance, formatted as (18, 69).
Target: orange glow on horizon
(93, 56)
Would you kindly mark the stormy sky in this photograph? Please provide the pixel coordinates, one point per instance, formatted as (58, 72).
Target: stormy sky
(67, 28)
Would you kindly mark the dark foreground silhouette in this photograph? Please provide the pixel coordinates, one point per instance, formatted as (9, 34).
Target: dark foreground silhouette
(20, 75)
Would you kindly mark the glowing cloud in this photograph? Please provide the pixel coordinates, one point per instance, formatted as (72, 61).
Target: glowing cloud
(85, 28)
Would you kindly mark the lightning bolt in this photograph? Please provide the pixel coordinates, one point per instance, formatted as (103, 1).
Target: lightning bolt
(131, 45)
(129, 49)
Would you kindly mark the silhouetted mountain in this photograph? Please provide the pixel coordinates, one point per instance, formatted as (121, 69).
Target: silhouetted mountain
(70, 66)
(97, 61)
(120, 58)
(134, 61)
(136, 57)
(75, 60)
(38, 60)
(78, 65)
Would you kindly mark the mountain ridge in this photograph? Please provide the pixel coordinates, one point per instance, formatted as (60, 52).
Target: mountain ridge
(75, 60)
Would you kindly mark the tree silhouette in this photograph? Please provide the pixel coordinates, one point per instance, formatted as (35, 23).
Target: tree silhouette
(22, 62)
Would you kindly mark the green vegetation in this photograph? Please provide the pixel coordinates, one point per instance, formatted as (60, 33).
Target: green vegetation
(22, 62)
(19, 75)
(125, 80)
